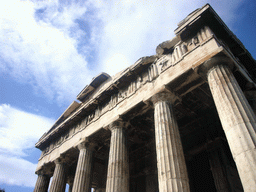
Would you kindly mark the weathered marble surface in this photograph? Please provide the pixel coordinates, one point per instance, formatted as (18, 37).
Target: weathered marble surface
(118, 167)
(172, 171)
(58, 183)
(83, 169)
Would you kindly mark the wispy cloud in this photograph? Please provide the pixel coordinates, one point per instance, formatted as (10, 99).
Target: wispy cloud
(17, 171)
(19, 131)
(42, 52)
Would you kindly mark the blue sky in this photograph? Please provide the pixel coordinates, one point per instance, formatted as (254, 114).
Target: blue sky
(50, 50)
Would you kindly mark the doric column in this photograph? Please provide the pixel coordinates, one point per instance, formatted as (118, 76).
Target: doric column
(59, 177)
(217, 160)
(83, 169)
(118, 167)
(224, 171)
(42, 183)
(172, 171)
(237, 119)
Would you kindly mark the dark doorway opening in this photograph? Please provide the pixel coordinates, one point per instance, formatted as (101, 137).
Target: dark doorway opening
(200, 175)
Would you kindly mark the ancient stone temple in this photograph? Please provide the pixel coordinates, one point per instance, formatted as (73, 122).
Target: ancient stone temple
(180, 120)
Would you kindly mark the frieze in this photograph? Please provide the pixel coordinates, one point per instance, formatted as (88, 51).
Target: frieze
(167, 60)
(154, 70)
(201, 36)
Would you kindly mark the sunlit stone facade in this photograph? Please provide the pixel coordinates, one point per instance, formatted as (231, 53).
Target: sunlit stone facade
(180, 120)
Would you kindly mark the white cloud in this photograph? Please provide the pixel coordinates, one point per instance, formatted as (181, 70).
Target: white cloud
(117, 62)
(42, 52)
(134, 28)
(19, 131)
(17, 171)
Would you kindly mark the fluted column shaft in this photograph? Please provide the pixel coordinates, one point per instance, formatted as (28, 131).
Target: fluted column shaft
(83, 170)
(42, 183)
(118, 167)
(218, 169)
(59, 178)
(238, 122)
(172, 171)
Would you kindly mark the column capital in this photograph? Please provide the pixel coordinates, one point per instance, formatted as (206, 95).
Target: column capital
(59, 160)
(41, 172)
(164, 96)
(86, 145)
(42, 183)
(211, 63)
(116, 125)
